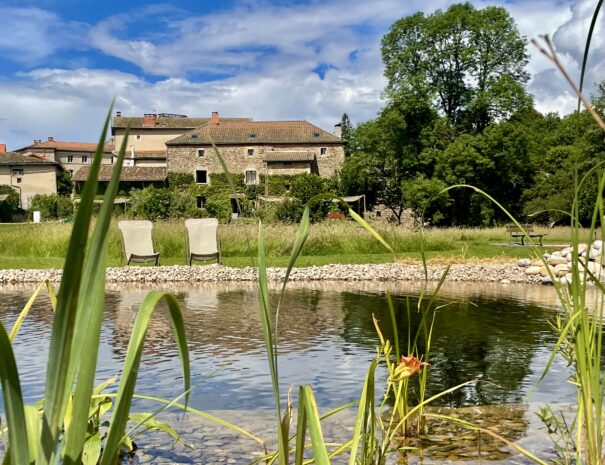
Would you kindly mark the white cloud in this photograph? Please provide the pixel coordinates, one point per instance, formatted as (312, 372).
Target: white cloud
(31, 34)
(268, 51)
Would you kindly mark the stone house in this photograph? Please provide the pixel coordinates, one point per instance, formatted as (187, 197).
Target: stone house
(29, 174)
(147, 137)
(72, 155)
(254, 148)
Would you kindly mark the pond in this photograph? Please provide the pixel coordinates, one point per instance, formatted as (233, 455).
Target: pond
(497, 335)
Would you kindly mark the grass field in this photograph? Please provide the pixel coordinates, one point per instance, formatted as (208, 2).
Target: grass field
(43, 245)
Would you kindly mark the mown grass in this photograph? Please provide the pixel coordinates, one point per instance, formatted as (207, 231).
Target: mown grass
(44, 245)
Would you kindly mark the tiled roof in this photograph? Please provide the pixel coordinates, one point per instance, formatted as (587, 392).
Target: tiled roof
(164, 122)
(14, 158)
(67, 146)
(289, 156)
(256, 132)
(129, 173)
(148, 154)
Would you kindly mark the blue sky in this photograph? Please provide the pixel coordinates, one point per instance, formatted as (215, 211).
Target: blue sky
(62, 61)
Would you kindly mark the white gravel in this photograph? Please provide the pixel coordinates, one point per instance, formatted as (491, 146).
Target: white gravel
(493, 273)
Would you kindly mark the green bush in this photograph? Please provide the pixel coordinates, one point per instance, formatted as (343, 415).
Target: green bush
(154, 203)
(179, 180)
(52, 206)
(289, 211)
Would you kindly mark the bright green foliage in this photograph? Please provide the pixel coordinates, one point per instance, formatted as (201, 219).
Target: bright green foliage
(469, 63)
(52, 207)
(416, 195)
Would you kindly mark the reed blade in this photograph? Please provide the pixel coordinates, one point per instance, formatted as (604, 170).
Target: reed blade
(131, 366)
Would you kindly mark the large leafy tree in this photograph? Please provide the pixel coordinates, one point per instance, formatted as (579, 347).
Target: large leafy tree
(469, 63)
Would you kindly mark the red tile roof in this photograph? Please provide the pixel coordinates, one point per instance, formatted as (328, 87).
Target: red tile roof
(68, 146)
(163, 122)
(129, 173)
(256, 132)
(14, 158)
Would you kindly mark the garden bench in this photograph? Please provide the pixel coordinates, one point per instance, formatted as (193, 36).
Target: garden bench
(528, 230)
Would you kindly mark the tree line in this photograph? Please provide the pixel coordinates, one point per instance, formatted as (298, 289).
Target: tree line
(458, 112)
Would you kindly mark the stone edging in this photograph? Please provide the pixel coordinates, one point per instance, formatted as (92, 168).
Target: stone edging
(391, 272)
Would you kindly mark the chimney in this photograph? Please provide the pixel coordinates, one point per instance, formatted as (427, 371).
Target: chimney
(118, 114)
(51, 139)
(2, 148)
(149, 120)
(338, 130)
(215, 117)
(37, 141)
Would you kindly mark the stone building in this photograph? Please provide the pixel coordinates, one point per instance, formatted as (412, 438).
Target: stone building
(148, 134)
(252, 148)
(72, 155)
(28, 174)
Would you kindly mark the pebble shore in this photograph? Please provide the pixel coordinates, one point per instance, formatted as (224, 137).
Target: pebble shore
(387, 272)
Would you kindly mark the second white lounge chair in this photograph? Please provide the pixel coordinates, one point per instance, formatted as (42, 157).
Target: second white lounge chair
(202, 239)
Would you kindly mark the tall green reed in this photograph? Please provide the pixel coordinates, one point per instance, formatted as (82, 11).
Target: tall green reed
(40, 434)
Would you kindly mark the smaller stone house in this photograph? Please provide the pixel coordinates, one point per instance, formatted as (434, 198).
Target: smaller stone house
(29, 174)
(131, 177)
(149, 133)
(72, 155)
(254, 148)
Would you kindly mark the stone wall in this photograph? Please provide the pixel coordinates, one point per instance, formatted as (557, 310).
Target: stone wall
(185, 159)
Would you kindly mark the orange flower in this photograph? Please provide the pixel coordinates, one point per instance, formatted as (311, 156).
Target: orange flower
(409, 366)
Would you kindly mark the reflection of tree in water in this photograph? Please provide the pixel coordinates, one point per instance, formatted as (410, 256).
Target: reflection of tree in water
(491, 341)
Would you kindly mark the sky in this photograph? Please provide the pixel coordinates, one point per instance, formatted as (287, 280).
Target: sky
(63, 61)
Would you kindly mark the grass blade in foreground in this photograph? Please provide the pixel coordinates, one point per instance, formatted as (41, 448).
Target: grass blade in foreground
(131, 367)
(62, 357)
(90, 317)
(13, 403)
(19, 321)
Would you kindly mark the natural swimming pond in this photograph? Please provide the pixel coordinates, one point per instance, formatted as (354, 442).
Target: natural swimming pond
(498, 336)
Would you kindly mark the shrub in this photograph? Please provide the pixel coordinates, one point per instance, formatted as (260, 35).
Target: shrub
(289, 211)
(10, 205)
(52, 206)
(179, 180)
(151, 203)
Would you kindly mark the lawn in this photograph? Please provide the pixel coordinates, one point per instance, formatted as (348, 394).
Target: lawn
(44, 245)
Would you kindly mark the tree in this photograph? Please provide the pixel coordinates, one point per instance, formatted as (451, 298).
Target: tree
(64, 184)
(346, 132)
(470, 64)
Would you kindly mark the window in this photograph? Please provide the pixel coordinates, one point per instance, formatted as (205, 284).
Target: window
(18, 173)
(138, 137)
(315, 134)
(251, 177)
(71, 173)
(250, 152)
(18, 180)
(253, 136)
(70, 158)
(194, 136)
(323, 151)
(84, 158)
(201, 177)
(201, 201)
(200, 153)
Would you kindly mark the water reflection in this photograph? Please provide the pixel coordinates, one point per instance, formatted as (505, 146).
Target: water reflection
(327, 339)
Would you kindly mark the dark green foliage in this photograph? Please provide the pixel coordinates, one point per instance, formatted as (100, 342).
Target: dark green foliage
(52, 206)
(64, 184)
(306, 186)
(346, 129)
(10, 205)
(289, 210)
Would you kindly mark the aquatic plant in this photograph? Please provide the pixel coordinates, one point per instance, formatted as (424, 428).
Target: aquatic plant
(57, 430)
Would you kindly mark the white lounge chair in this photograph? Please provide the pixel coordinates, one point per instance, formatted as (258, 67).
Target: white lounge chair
(202, 240)
(137, 244)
